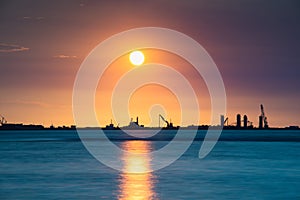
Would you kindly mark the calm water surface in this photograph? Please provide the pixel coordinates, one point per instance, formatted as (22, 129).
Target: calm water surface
(55, 165)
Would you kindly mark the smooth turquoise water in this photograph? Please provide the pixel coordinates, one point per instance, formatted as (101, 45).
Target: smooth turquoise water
(55, 165)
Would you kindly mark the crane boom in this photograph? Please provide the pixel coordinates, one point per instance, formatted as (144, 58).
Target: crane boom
(161, 117)
(226, 121)
(262, 110)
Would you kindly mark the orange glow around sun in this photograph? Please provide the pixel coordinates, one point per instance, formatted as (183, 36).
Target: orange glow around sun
(154, 104)
(150, 100)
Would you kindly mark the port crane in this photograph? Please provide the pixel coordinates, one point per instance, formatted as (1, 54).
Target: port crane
(264, 117)
(2, 120)
(226, 121)
(169, 125)
(249, 123)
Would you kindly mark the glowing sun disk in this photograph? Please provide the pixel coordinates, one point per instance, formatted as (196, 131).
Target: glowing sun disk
(136, 58)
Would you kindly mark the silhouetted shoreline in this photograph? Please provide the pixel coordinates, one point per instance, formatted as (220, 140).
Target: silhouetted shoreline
(73, 127)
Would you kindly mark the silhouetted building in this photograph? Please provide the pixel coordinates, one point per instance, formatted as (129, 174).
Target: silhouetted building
(245, 121)
(222, 120)
(260, 122)
(238, 121)
(293, 127)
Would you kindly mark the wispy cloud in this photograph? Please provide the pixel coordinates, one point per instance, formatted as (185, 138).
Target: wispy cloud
(33, 18)
(62, 56)
(10, 48)
(35, 103)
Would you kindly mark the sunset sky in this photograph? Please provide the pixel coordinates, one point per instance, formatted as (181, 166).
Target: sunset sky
(254, 43)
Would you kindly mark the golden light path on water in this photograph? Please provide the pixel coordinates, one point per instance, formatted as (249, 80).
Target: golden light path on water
(135, 185)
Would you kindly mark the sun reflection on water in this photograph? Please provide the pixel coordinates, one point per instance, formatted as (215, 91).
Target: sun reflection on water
(138, 183)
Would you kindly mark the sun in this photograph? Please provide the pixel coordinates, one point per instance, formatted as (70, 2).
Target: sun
(136, 58)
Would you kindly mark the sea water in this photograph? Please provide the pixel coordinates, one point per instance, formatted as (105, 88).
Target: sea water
(56, 165)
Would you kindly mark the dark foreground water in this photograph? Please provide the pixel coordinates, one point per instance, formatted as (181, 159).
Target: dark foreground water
(56, 165)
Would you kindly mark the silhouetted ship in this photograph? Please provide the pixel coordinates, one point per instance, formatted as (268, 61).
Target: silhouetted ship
(11, 126)
(21, 127)
(111, 127)
(134, 125)
(33, 127)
